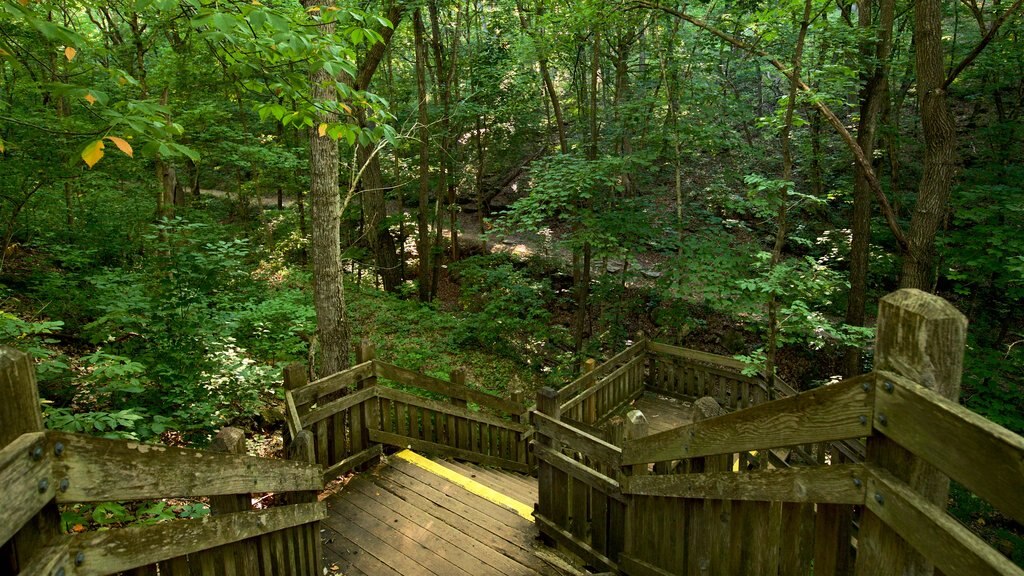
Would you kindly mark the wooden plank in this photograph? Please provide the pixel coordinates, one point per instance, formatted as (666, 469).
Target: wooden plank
(352, 462)
(101, 470)
(797, 546)
(824, 484)
(636, 567)
(937, 536)
(831, 540)
(335, 406)
(828, 413)
(331, 384)
(450, 389)
(584, 381)
(442, 450)
(987, 458)
(372, 545)
(608, 381)
(575, 545)
(445, 408)
(406, 538)
(292, 418)
(468, 543)
(24, 462)
(662, 349)
(577, 440)
(579, 471)
(126, 548)
(351, 558)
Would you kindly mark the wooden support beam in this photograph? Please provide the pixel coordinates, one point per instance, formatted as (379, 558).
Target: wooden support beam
(920, 337)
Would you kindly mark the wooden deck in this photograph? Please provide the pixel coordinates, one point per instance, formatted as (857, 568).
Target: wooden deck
(662, 412)
(402, 519)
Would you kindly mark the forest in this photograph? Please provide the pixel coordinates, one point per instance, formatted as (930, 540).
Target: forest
(195, 194)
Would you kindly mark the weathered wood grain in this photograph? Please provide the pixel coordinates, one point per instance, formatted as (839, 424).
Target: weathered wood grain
(333, 383)
(20, 474)
(577, 440)
(583, 382)
(825, 484)
(580, 472)
(443, 450)
(101, 470)
(937, 536)
(831, 412)
(449, 389)
(986, 458)
(335, 406)
(113, 551)
(446, 408)
(352, 462)
(575, 545)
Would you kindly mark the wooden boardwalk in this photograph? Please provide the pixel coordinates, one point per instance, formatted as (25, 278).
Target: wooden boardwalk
(403, 519)
(662, 412)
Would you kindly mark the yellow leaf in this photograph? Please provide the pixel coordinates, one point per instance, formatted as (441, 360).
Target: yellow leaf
(345, 107)
(313, 9)
(122, 80)
(92, 153)
(23, 2)
(322, 130)
(122, 145)
(4, 52)
(90, 99)
(69, 53)
(2, 146)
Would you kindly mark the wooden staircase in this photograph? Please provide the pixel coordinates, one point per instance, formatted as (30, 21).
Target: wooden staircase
(413, 515)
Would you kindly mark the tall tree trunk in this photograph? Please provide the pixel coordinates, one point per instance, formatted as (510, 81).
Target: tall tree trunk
(940, 161)
(332, 327)
(378, 236)
(873, 97)
(787, 178)
(423, 244)
(545, 75)
(582, 262)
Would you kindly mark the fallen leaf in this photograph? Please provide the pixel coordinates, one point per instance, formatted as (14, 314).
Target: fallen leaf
(69, 53)
(78, 528)
(122, 145)
(92, 153)
(90, 99)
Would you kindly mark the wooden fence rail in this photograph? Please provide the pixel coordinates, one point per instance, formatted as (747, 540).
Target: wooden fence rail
(352, 415)
(40, 470)
(689, 511)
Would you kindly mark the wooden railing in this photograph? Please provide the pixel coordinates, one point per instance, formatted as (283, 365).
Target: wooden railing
(600, 392)
(352, 415)
(41, 470)
(689, 511)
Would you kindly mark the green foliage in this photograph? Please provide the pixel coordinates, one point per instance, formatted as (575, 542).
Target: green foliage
(508, 311)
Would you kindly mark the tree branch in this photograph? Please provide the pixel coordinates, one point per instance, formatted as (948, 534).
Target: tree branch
(837, 124)
(981, 45)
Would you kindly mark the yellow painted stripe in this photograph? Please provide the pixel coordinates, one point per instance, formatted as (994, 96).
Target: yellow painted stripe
(467, 483)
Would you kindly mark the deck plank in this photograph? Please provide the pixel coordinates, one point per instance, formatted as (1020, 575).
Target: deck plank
(402, 519)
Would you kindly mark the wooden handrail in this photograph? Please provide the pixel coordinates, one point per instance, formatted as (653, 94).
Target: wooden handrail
(819, 484)
(330, 384)
(832, 412)
(988, 459)
(100, 470)
(577, 440)
(586, 380)
(451, 390)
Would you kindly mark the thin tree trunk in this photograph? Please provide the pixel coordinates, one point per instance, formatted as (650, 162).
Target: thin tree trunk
(325, 208)
(423, 245)
(787, 178)
(874, 94)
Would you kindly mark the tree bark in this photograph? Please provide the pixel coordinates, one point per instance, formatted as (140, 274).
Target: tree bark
(423, 247)
(873, 97)
(325, 212)
(940, 159)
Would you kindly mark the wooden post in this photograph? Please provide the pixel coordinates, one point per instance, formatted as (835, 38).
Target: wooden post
(294, 378)
(590, 404)
(458, 380)
(547, 404)
(920, 337)
(635, 428)
(20, 414)
(301, 449)
(369, 414)
(246, 553)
